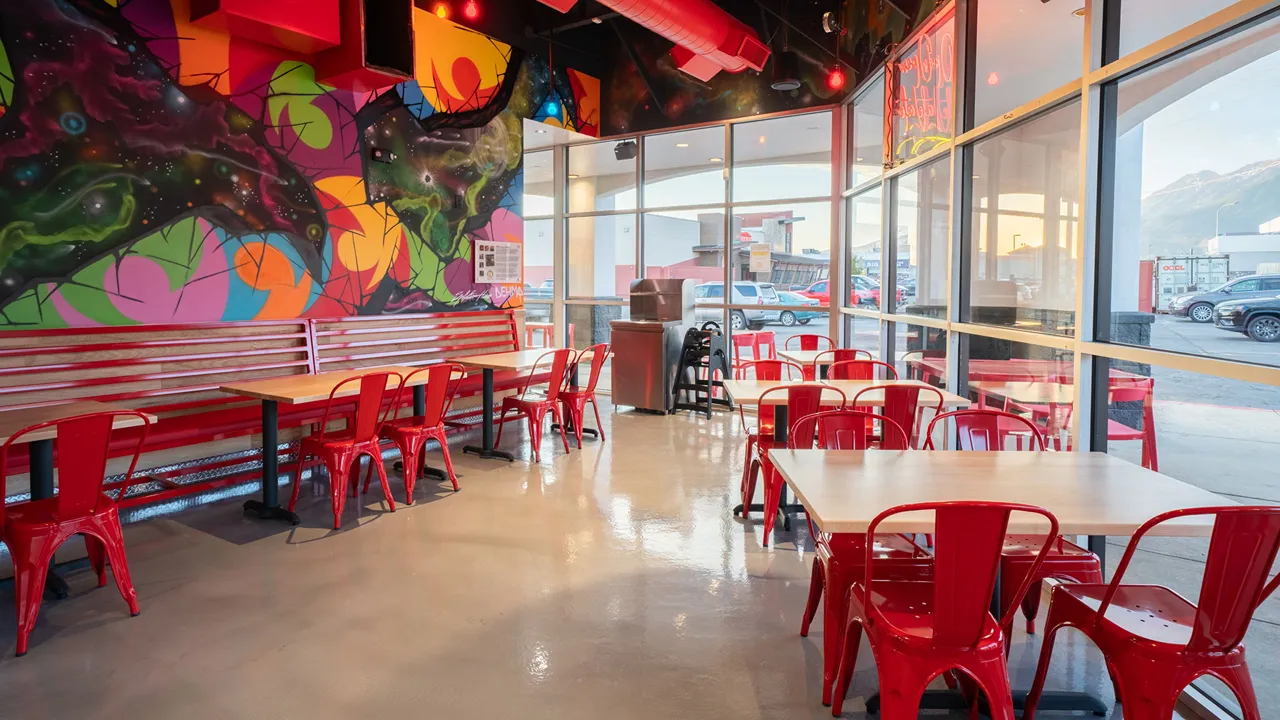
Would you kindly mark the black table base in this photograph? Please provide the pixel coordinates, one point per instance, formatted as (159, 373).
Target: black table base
(486, 449)
(1056, 701)
(268, 508)
(40, 454)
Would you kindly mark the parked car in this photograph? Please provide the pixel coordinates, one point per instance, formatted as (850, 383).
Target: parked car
(1258, 317)
(791, 317)
(1199, 306)
(545, 291)
(744, 293)
(866, 290)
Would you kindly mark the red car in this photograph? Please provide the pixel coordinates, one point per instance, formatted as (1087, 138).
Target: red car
(866, 290)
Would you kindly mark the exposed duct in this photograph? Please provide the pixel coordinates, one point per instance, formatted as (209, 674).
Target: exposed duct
(707, 38)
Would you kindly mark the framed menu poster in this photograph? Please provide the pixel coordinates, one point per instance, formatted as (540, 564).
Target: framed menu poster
(498, 262)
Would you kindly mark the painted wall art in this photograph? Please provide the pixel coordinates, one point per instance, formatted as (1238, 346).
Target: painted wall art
(152, 170)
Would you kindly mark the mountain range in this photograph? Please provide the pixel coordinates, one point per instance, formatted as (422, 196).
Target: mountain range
(1179, 218)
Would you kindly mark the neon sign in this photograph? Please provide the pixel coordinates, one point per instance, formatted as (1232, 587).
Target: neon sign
(922, 96)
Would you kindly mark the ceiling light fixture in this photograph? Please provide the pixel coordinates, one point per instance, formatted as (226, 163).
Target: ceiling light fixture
(1080, 12)
(715, 160)
(682, 145)
(598, 20)
(540, 131)
(573, 176)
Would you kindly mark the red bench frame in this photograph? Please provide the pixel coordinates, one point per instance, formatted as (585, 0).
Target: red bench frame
(216, 418)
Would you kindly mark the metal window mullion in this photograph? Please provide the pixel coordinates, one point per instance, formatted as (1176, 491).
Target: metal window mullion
(559, 243)
(837, 275)
(961, 195)
(727, 270)
(640, 205)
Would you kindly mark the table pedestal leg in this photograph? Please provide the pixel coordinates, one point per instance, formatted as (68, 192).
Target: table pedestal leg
(784, 509)
(40, 454)
(486, 449)
(268, 508)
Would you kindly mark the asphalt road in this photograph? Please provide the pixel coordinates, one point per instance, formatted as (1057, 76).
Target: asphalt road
(1184, 336)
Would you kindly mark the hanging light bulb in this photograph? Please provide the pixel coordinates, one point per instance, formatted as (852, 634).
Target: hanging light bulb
(835, 79)
(471, 10)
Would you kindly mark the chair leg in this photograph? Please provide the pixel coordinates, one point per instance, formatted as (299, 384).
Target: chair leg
(558, 419)
(113, 541)
(749, 492)
(448, 463)
(410, 458)
(97, 553)
(901, 688)
(502, 420)
(30, 567)
(599, 425)
(297, 478)
(1241, 683)
(834, 613)
(850, 639)
(376, 462)
(535, 433)
(338, 472)
(815, 596)
(1051, 626)
(772, 495)
(747, 460)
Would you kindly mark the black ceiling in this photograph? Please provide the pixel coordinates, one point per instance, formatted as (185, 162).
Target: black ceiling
(593, 48)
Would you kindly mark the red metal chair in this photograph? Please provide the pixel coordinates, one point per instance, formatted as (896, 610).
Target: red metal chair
(340, 449)
(744, 340)
(838, 559)
(34, 530)
(802, 400)
(837, 355)
(903, 405)
(574, 399)
(920, 630)
(763, 370)
(535, 407)
(410, 434)
(808, 341)
(860, 370)
(766, 345)
(1154, 640)
(981, 430)
(1136, 390)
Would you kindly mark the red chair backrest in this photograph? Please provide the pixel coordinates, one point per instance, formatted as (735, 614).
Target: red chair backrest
(809, 341)
(599, 355)
(369, 406)
(968, 539)
(846, 430)
(440, 389)
(841, 355)
(902, 402)
(766, 345)
(802, 398)
(744, 340)
(559, 360)
(1130, 390)
(1235, 582)
(859, 370)
(82, 443)
(980, 430)
(768, 370)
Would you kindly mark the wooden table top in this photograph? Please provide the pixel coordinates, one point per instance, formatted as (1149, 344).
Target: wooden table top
(747, 392)
(805, 358)
(1089, 493)
(1036, 393)
(298, 389)
(514, 360)
(12, 421)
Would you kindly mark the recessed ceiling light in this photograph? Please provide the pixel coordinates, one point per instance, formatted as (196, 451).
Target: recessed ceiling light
(763, 139)
(859, 159)
(1079, 13)
(598, 20)
(813, 127)
(574, 177)
(682, 145)
(715, 159)
(540, 131)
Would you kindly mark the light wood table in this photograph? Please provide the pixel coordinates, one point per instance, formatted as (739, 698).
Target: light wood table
(40, 449)
(1089, 493)
(516, 361)
(297, 390)
(1029, 393)
(747, 394)
(807, 358)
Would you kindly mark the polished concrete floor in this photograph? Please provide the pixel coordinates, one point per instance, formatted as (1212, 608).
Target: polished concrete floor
(607, 582)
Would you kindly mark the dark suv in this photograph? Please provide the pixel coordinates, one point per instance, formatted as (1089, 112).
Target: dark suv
(1259, 318)
(1199, 306)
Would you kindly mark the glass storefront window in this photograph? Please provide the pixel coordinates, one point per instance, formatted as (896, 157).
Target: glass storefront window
(602, 176)
(684, 168)
(865, 240)
(922, 100)
(799, 237)
(922, 216)
(684, 244)
(602, 256)
(1025, 220)
(920, 353)
(867, 130)
(1024, 50)
(539, 260)
(786, 157)
(1193, 221)
(1143, 22)
(1031, 381)
(538, 199)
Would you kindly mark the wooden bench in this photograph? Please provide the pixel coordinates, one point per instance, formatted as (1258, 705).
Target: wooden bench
(426, 339)
(174, 371)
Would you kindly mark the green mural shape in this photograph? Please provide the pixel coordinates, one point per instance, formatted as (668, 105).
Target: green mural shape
(34, 308)
(6, 79)
(176, 249)
(294, 88)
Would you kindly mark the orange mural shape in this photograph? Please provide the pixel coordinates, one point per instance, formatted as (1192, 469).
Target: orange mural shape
(457, 68)
(263, 267)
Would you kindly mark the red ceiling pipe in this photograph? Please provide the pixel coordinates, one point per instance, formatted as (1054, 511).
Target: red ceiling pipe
(707, 38)
(304, 26)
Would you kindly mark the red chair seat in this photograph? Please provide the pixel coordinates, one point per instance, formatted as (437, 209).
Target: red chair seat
(1120, 431)
(1154, 614)
(1028, 546)
(45, 512)
(908, 606)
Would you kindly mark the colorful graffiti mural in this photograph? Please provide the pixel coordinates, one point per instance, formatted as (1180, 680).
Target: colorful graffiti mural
(152, 170)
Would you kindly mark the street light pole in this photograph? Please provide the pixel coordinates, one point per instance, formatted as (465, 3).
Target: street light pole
(1217, 218)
